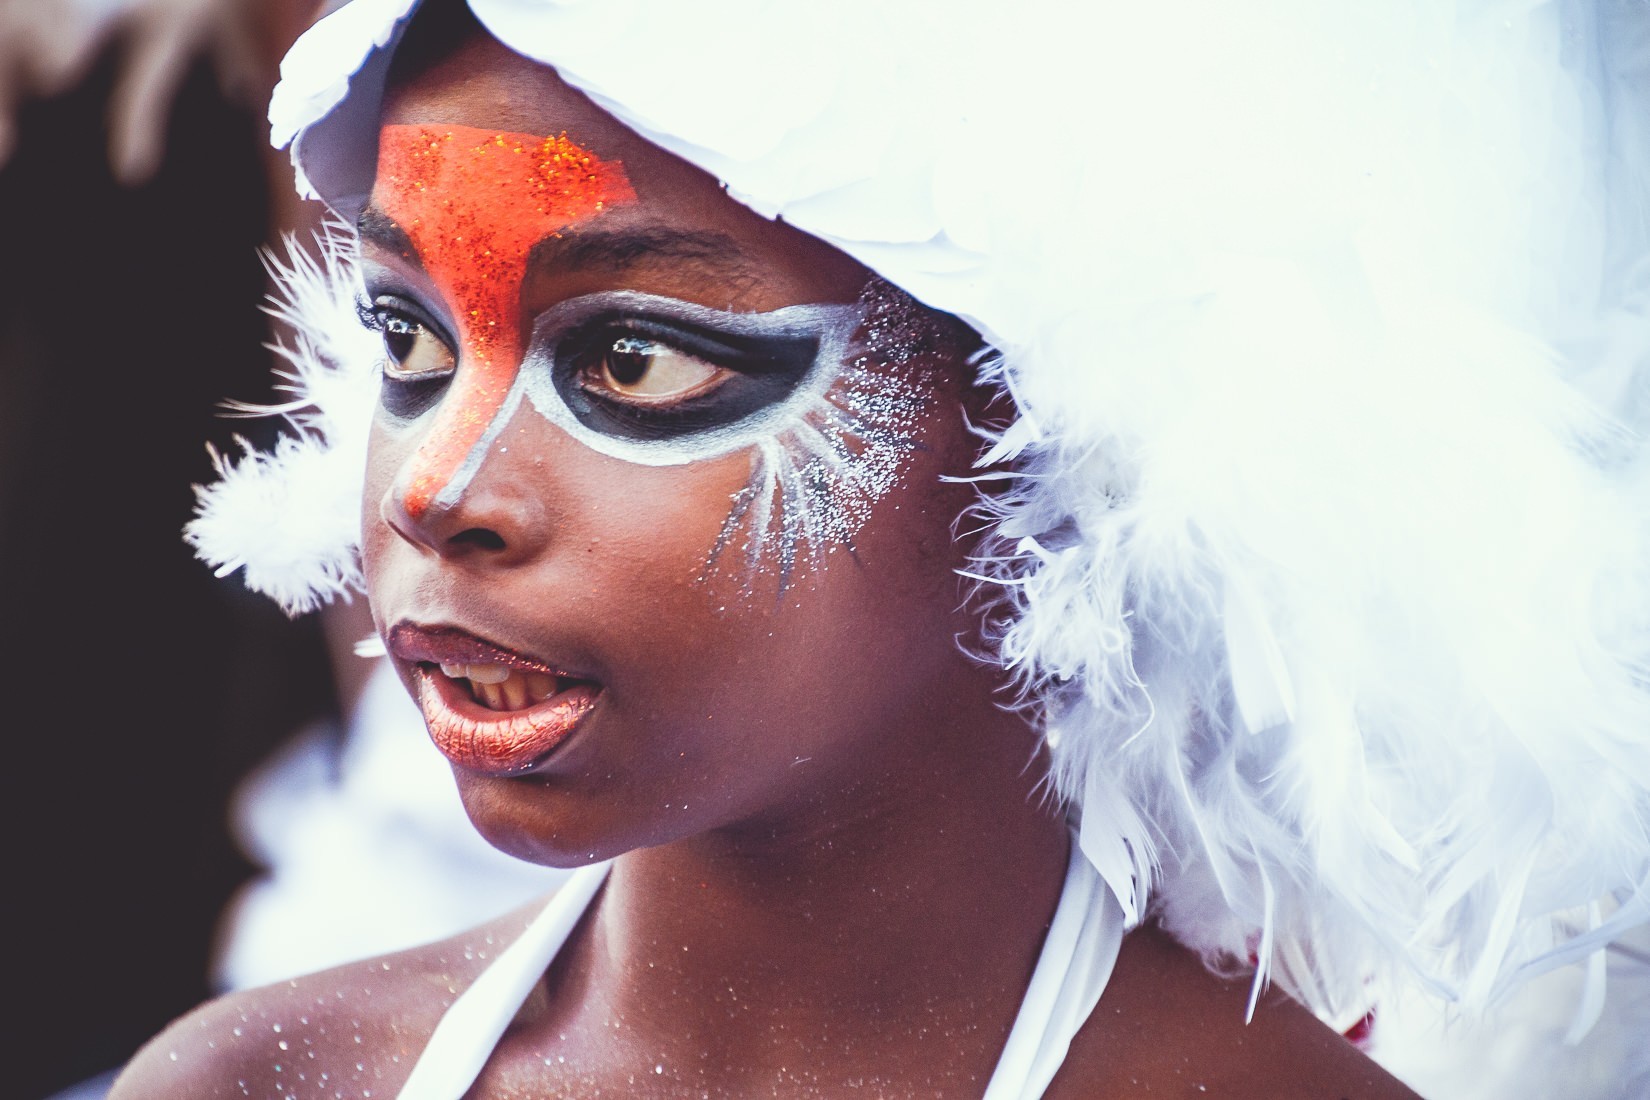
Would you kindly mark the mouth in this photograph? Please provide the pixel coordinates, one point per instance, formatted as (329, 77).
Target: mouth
(488, 709)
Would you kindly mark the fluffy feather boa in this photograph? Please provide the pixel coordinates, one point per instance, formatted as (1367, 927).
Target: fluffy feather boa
(1322, 541)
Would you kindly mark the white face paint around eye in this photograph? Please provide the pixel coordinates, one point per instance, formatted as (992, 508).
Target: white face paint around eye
(828, 399)
(815, 480)
(774, 364)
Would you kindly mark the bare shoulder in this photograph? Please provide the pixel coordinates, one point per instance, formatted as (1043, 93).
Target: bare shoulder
(355, 1030)
(1166, 1027)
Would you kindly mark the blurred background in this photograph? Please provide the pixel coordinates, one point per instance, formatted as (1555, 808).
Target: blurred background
(197, 778)
(133, 199)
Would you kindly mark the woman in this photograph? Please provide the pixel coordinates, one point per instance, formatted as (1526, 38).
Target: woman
(660, 527)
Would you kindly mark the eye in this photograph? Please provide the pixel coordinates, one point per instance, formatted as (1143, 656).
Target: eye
(419, 361)
(641, 371)
(416, 352)
(640, 367)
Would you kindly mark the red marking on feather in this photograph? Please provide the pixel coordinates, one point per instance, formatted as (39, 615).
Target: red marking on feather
(1362, 1030)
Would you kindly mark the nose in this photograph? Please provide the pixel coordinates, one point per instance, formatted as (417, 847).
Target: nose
(494, 508)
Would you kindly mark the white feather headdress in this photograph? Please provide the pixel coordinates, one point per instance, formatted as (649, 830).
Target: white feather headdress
(1325, 557)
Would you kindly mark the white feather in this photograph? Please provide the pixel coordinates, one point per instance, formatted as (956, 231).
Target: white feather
(1338, 310)
(288, 518)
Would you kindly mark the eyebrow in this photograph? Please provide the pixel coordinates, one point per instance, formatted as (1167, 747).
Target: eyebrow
(592, 248)
(376, 227)
(615, 250)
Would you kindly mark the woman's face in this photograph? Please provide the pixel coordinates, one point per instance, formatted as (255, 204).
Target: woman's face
(654, 523)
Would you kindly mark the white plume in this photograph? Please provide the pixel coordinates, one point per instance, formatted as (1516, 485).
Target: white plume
(289, 517)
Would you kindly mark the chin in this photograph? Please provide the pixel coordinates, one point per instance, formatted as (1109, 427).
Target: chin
(530, 819)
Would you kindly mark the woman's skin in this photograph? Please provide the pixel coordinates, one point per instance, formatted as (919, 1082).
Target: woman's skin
(835, 857)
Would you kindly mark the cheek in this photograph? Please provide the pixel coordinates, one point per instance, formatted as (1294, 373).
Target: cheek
(651, 548)
(613, 531)
(841, 640)
(723, 696)
(652, 531)
(385, 455)
(865, 497)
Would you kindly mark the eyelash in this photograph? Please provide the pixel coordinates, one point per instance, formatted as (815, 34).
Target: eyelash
(376, 314)
(589, 347)
(367, 313)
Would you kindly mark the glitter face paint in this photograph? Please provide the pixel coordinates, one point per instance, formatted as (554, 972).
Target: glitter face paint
(827, 399)
(831, 397)
(829, 441)
(814, 481)
(474, 203)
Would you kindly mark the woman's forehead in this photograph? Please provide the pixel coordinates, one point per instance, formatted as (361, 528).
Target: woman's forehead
(484, 88)
(485, 85)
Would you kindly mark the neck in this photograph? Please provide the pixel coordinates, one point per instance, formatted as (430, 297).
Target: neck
(918, 892)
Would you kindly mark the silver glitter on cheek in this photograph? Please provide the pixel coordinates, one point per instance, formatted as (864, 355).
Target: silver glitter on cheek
(821, 456)
(814, 483)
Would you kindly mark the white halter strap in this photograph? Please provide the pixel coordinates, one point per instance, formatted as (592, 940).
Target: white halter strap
(1072, 970)
(1076, 962)
(464, 1039)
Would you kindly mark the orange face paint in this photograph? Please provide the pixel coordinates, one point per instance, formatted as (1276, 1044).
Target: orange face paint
(474, 203)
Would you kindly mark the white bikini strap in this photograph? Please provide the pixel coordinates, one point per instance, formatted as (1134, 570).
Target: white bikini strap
(1072, 971)
(1076, 961)
(464, 1039)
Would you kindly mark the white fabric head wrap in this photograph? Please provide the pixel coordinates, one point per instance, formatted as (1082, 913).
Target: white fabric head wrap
(1325, 564)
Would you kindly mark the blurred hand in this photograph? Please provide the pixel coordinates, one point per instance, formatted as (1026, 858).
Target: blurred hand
(46, 46)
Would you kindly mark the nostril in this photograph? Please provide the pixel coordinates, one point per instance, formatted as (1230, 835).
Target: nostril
(480, 538)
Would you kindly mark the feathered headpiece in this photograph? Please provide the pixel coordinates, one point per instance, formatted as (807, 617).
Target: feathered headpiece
(1325, 557)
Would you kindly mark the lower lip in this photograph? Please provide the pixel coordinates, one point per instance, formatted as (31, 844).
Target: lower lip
(495, 742)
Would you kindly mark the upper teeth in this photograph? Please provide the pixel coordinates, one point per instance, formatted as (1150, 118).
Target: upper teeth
(499, 687)
(477, 674)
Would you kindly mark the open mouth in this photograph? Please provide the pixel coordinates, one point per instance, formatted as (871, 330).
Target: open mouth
(490, 710)
(500, 687)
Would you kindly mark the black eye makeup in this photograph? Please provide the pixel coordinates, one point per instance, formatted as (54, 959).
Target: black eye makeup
(661, 382)
(642, 376)
(825, 398)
